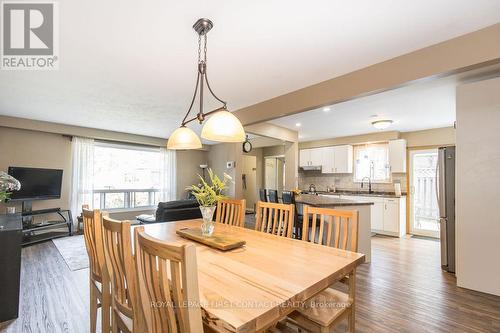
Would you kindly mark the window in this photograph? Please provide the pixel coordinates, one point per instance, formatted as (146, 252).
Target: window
(372, 161)
(125, 176)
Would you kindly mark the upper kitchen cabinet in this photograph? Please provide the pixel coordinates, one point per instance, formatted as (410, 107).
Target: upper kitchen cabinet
(337, 159)
(343, 159)
(397, 156)
(304, 157)
(311, 157)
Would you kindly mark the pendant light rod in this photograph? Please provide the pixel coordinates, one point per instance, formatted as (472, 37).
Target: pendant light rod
(222, 126)
(202, 27)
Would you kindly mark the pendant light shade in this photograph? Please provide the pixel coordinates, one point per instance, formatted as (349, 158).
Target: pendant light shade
(223, 126)
(183, 138)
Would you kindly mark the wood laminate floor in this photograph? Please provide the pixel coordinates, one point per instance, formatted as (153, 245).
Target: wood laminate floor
(402, 290)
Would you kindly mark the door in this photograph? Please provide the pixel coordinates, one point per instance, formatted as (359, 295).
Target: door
(249, 178)
(328, 165)
(391, 216)
(377, 216)
(424, 209)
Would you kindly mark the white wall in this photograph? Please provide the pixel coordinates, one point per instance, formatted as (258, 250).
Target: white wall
(478, 186)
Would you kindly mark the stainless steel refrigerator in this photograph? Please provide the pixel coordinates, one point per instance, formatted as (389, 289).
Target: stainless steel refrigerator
(446, 203)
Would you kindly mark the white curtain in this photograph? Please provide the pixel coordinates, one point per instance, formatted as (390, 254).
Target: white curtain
(168, 175)
(82, 150)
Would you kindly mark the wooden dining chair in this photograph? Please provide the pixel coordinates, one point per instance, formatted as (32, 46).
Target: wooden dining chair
(231, 211)
(168, 274)
(126, 311)
(100, 293)
(339, 229)
(275, 218)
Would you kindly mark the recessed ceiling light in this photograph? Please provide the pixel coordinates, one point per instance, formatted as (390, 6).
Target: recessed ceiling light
(382, 124)
(326, 109)
(298, 124)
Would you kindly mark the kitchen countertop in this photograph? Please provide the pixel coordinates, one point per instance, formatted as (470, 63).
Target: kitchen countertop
(324, 201)
(361, 193)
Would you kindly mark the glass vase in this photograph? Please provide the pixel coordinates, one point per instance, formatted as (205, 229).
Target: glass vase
(207, 227)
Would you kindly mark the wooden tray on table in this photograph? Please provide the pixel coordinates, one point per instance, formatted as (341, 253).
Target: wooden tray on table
(219, 241)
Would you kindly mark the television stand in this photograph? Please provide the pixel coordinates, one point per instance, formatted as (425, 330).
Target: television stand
(45, 229)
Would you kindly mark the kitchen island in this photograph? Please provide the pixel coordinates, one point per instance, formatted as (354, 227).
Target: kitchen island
(364, 219)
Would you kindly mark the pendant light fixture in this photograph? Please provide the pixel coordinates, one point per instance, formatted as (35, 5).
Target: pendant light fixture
(222, 125)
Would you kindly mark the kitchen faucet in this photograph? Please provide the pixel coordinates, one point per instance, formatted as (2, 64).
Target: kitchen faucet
(369, 184)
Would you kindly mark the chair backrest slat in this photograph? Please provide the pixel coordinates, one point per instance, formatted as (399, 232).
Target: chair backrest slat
(230, 211)
(275, 218)
(168, 274)
(341, 227)
(120, 264)
(93, 240)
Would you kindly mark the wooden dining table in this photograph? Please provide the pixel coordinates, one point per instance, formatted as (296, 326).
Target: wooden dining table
(248, 289)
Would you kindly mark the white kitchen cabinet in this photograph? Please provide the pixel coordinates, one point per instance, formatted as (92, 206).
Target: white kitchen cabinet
(311, 157)
(337, 159)
(397, 156)
(316, 156)
(343, 159)
(304, 157)
(391, 217)
(387, 215)
(328, 165)
(377, 216)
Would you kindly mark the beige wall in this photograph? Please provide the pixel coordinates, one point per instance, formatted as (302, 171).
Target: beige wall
(40, 150)
(21, 147)
(478, 184)
(218, 157)
(431, 137)
(351, 140)
(188, 169)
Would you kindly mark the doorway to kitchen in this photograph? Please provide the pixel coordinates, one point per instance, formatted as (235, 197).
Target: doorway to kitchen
(424, 211)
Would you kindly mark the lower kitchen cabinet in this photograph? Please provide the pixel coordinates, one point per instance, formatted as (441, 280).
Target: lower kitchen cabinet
(388, 215)
(394, 217)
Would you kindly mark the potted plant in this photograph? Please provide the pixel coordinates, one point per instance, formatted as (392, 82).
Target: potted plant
(208, 194)
(7, 185)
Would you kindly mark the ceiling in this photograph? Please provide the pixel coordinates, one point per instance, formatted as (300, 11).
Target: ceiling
(417, 106)
(130, 66)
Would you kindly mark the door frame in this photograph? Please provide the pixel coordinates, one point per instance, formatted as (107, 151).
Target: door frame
(409, 202)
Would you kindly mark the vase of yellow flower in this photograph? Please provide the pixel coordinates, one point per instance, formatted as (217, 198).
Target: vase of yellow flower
(208, 194)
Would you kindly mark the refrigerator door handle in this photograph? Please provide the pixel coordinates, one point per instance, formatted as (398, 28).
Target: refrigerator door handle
(444, 242)
(436, 183)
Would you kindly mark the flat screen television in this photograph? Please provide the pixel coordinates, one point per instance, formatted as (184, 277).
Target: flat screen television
(37, 184)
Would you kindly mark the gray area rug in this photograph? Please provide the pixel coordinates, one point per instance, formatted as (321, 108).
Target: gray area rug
(73, 251)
